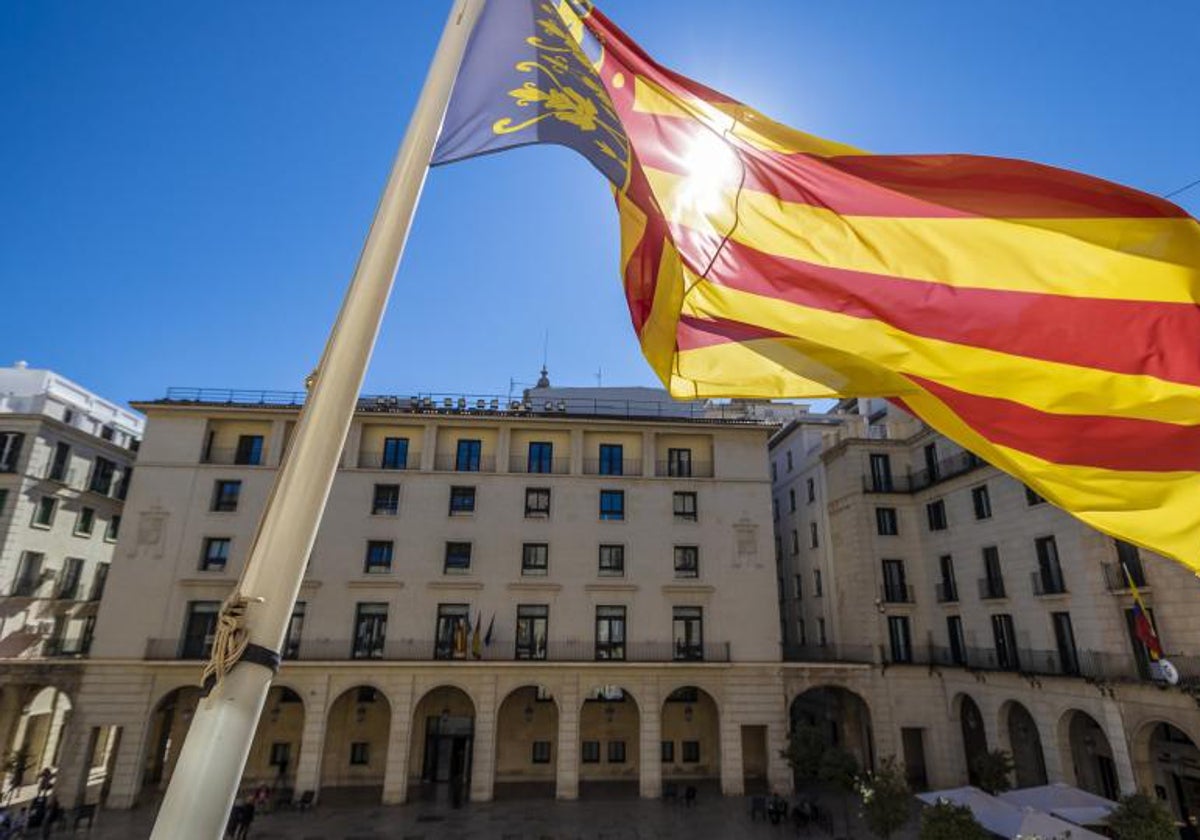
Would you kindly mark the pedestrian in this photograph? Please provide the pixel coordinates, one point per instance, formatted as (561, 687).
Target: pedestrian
(246, 818)
(45, 780)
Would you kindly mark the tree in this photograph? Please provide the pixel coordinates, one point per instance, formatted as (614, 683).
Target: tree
(994, 771)
(1138, 817)
(805, 749)
(839, 770)
(947, 821)
(885, 798)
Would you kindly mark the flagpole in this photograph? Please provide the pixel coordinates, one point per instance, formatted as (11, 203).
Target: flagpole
(255, 619)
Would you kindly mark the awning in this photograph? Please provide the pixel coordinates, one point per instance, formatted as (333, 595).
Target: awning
(1064, 801)
(1006, 819)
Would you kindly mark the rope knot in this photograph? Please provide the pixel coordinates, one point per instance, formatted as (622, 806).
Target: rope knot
(230, 640)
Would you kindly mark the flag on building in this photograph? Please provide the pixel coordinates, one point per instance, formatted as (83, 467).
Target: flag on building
(487, 639)
(1143, 628)
(1043, 319)
(477, 638)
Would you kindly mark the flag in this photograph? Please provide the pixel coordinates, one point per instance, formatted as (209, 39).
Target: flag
(1043, 319)
(1142, 626)
(476, 639)
(487, 639)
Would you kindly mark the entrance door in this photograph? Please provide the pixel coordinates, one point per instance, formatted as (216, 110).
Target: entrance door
(447, 764)
(754, 759)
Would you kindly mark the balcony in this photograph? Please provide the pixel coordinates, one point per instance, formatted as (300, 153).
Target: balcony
(862, 654)
(594, 466)
(1048, 583)
(991, 588)
(947, 592)
(896, 593)
(694, 469)
(1115, 580)
(78, 646)
(375, 461)
(231, 457)
(556, 466)
(952, 467)
(451, 463)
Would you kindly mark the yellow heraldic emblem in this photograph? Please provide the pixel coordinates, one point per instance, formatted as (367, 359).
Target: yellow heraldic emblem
(566, 88)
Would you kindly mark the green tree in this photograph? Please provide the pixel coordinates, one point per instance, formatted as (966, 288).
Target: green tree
(1138, 817)
(994, 771)
(947, 821)
(886, 799)
(839, 770)
(805, 749)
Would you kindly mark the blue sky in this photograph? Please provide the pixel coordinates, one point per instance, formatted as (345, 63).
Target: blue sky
(184, 188)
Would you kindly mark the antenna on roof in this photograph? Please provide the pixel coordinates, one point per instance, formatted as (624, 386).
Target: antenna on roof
(544, 379)
(599, 377)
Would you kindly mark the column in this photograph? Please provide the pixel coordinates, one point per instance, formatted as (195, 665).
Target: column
(503, 448)
(650, 747)
(648, 460)
(1045, 716)
(75, 763)
(733, 771)
(395, 774)
(576, 464)
(312, 739)
(779, 774)
(566, 777)
(126, 780)
(483, 758)
(429, 447)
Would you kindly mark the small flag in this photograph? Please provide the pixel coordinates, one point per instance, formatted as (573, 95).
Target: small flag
(1142, 626)
(487, 640)
(476, 639)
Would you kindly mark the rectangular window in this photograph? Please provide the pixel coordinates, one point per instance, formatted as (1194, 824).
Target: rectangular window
(69, 578)
(982, 502)
(225, 495)
(881, 473)
(541, 457)
(1141, 653)
(993, 576)
(948, 585)
(533, 622)
(3, 499)
(295, 629)
(899, 638)
(886, 524)
(370, 630)
(113, 531)
(62, 460)
(895, 587)
(1032, 498)
(691, 752)
(790, 462)
(1049, 573)
(467, 456)
(958, 643)
(386, 501)
(792, 500)
(10, 450)
(612, 561)
(822, 639)
(215, 555)
(458, 557)
(610, 633)
(199, 629)
(616, 752)
(379, 557)
(281, 754)
(450, 641)
(249, 450)
(812, 490)
(102, 476)
(612, 459)
(612, 504)
(687, 561)
(43, 514)
(123, 485)
(1130, 560)
(541, 752)
(687, 633)
(395, 453)
(589, 752)
(29, 574)
(684, 504)
(668, 752)
(813, 542)
(1005, 636)
(795, 541)
(799, 587)
(535, 559)
(801, 636)
(462, 500)
(1064, 637)
(817, 593)
(679, 463)
(360, 753)
(537, 502)
(936, 512)
(107, 432)
(98, 581)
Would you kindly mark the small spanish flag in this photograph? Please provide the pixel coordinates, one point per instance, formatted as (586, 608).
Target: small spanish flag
(1143, 627)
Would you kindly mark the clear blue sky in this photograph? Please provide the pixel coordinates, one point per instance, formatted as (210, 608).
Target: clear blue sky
(184, 188)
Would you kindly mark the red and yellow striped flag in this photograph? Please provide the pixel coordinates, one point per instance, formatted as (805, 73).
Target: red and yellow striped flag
(1043, 319)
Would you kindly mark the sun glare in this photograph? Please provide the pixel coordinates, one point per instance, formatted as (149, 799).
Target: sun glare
(713, 171)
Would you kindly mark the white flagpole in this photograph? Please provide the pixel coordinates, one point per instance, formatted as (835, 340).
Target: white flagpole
(205, 782)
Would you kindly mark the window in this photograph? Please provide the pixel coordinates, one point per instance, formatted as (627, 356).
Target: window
(774, 471)
(899, 638)
(62, 459)
(102, 476)
(668, 752)
(43, 514)
(1032, 498)
(291, 641)
(795, 541)
(532, 628)
(679, 463)
(123, 485)
(881, 473)
(936, 512)
(395, 453)
(684, 504)
(1135, 629)
(541, 752)
(281, 754)
(982, 502)
(107, 432)
(1050, 574)
(610, 633)
(691, 752)
(85, 522)
(370, 630)
(817, 593)
(225, 495)
(589, 752)
(1131, 561)
(462, 500)
(687, 561)
(360, 753)
(932, 468)
(379, 557)
(811, 489)
(687, 633)
(790, 462)
(537, 502)
(1064, 637)
(612, 459)
(993, 577)
(98, 581)
(114, 528)
(801, 636)
(895, 587)
(541, 457)
(799, 587)
(215, 555)
(958, 644)
(616, 752)
(1005, 637)
(69, 577)
(947, 589)
(886, 524)
(386, 501)
(29, 574)
(249, 450)
(450, 641)
(458, 557)
(612, 504)
(535, 558)
(813, 542)
(199, 629)
(792, 500)
(822, 639)
(467, 457)
(775, 509)
(3, 499)
(612, 561)
(10, 450)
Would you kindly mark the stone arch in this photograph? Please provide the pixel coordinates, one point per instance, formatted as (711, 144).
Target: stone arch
(972, 732)
(1087, 754)
(1025, 744)
(442, 745)
(609, 742)
(526, 743)
(167, 728)
(35, 717)
(691, 725)
(275, 750)
(1166, 764)
(842, 716)
(357, 729)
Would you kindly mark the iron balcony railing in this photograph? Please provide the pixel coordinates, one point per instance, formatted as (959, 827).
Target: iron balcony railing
(231, 456)
(74, 646)
(694, 469)
(896, 593)
(377, 461)
(862, 654)
(1115, 580)
(991, 588)
(947, 592)
(452, 463)
(594, 466)
(554, 466)
(1048, 583)
(912, 482)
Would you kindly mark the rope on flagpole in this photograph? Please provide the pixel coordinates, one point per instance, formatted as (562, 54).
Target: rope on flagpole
(230, 641)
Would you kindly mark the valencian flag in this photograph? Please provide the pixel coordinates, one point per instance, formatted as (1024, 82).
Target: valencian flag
(1142, 626)
(1043, 319)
